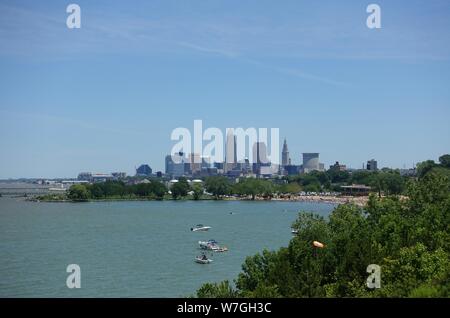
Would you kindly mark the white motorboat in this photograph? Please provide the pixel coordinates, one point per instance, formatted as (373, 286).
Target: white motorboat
(209, 245)
(203, 259)
(221, 249)
(200, 227)
(294, 231)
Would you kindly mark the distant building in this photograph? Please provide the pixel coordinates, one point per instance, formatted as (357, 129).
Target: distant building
(144, 170)
(408, 172)
(285, 160)
(260, 158)
(372, 165)
(356, 190)
(119, 175)
(265, 171)
(338, 167)
(208, 172)
(94, 177)
(244, 166)
(291, 170)
(230, 151)
(101, 177)
(86, 176)
(195, 161)
(177, 165)
(310, 162)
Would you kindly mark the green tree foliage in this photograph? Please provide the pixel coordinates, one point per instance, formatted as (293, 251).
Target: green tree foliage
(78, 192)
(387, 182)
(217, 290)
(409, 239)
(337, 176)
(197, 190)
(254, 187)
(117, 189)
(217, 186)
(180, 188)
(290, 187)
(424, 167)
(444, 160)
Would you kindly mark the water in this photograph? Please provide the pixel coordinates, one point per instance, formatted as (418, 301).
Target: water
(133, 249)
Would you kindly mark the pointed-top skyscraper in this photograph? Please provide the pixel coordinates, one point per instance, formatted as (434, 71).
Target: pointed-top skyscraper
(285, 154)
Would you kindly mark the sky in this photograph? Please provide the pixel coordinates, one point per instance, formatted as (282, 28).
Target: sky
(107, 96)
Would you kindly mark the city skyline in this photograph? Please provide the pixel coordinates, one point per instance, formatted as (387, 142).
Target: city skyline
(106, 97)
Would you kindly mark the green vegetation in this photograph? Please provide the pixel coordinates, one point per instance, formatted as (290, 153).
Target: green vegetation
(197, 190)
(180, 188)
(386, 181)
(217, 186)
(408, 237)
(254, 187)
(78, 192)
(110, 190)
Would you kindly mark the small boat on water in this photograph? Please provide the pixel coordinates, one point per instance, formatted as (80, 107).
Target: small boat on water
(209, 245)
(294, 231)
(203, 259)
(221, 249)
(200, 227)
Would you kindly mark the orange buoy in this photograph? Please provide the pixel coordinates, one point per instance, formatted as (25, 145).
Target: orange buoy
(318, 244)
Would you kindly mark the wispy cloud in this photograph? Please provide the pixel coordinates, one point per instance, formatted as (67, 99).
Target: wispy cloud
(332, 36)
(69, 123)
(204, 49)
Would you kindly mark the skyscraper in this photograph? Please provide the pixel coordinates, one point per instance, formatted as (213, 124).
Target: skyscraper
(177, 164)
(372, 165)
(285, 155)
(260, 158)
(230, 151)
(310, 162)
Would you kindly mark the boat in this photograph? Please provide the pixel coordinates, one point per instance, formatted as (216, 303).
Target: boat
(221, 249)
(294, 231)
(209, 245)
(200, 227)
(203, 259)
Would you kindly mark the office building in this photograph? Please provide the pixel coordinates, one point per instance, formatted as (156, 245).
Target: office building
(177, 165)
(285, 154)
(310, 162)
(338, 167)
(143, 170)
(372, 165)
(230, 151)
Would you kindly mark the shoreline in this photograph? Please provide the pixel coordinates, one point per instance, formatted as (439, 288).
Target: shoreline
(359, 201)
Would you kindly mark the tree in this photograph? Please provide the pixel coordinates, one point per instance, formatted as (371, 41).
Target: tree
(409, 239)
(390, 183)
(217, 290)
(291, 187)
(424, 167)
(217, 185)
(158, 189)
(180, 188)
(78, 192)
(197, 190)
(254, 187)
(445, 161)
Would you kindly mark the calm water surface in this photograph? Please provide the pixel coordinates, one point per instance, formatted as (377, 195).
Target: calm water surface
(133, 249)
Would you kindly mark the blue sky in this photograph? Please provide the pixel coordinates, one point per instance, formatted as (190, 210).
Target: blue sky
(107, 96)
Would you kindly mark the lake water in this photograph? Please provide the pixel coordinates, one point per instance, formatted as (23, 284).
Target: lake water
(133, 249)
